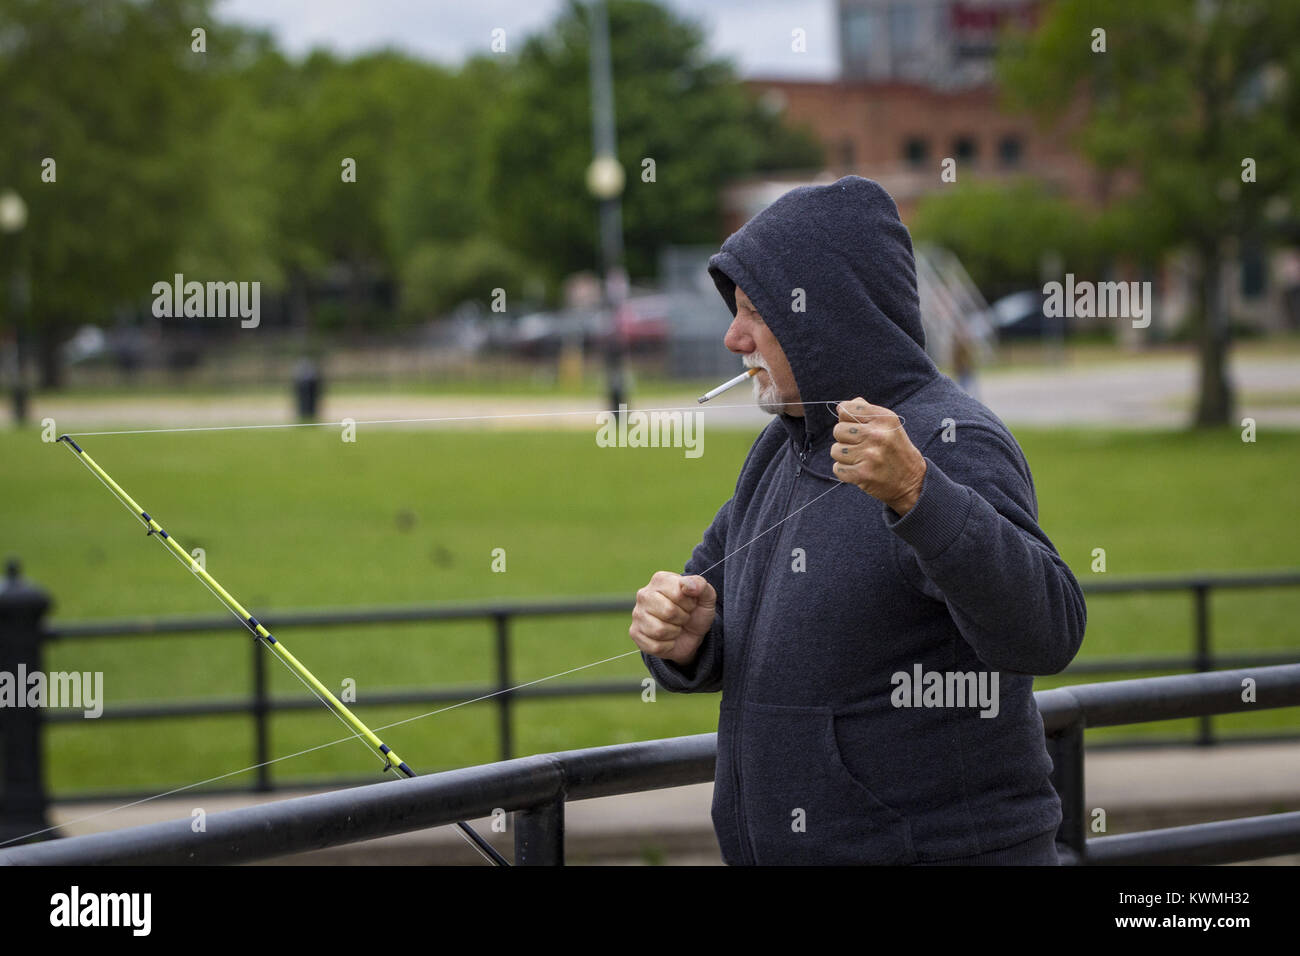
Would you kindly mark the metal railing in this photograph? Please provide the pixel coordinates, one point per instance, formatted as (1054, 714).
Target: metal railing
(260, 704)
(24, 631)
(537, 788)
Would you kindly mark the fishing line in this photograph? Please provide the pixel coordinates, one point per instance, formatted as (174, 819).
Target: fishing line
(263, 636)
(332, 743)
(422, 421)
(195, 568)
(407, 720)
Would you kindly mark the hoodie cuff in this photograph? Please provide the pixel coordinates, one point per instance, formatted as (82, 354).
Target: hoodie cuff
(938, 517)
(683, 679)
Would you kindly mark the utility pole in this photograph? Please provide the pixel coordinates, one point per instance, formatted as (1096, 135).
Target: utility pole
(605, 181)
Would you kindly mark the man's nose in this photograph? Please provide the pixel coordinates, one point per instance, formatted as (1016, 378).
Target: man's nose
(738, 338)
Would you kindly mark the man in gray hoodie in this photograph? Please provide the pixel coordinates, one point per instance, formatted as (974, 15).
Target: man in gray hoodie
(876, 595)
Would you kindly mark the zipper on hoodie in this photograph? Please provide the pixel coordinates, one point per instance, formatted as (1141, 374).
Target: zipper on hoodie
(746, 845)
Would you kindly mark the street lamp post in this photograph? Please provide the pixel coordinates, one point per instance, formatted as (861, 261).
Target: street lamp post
(13, 218)
(605, 181)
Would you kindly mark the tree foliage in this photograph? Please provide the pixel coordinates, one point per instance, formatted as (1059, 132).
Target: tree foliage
(227, 163)
(1182, 96)
(112, 93)
(1003, 231)
(673, 105)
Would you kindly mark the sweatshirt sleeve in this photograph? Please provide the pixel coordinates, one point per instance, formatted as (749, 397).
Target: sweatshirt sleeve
(974, 538)
(704, 673)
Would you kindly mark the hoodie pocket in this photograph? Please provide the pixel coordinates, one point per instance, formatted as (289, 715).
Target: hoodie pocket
(801, 804)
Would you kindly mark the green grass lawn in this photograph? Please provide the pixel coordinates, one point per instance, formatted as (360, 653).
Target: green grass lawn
(299, 519)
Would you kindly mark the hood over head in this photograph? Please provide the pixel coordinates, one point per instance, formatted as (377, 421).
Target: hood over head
(859, 329)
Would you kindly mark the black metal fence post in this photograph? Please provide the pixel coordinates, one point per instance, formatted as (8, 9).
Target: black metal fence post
(539, 834)
(1066, 749)
(1201, 596)
(503, 684)
(23, 801)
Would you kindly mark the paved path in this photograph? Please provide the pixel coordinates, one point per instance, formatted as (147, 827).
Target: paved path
(1158, 393)
(1154, 393)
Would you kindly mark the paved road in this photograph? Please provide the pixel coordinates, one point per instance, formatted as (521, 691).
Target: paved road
(1159, 393)
(1155, 393)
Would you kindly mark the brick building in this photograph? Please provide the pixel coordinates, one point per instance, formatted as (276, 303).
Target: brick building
(899, 133)
(915, 88)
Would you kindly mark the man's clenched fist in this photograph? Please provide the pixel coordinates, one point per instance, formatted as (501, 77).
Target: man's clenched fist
(873, 452)
(672, 615)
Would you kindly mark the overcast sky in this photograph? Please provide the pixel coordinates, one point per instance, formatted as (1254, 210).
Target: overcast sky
(756, 34)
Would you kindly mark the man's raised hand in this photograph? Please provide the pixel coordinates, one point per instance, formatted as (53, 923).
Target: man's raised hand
(873, 452)
(672, 615)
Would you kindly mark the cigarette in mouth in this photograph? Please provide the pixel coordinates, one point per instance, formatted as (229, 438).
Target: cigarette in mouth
(742, 377)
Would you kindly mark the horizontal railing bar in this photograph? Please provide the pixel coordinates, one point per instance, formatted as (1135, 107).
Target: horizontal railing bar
(338, 618)
(315, 822)
(1146, 699)
(1133, 665)
(1259, 579)
(534, 608)
(337, 783)
(1201, 844)
(322, 820)
(470, 696)
(1102, 704)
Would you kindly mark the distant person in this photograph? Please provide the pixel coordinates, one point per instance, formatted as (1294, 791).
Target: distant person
(883, 529)
(963, 361)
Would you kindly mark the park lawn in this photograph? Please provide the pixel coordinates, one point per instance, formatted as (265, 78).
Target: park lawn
(299, 519)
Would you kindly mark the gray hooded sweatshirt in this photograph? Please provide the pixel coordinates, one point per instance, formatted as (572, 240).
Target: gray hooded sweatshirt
(850, 644)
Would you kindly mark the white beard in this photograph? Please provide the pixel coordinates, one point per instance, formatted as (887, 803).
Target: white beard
(769, 396)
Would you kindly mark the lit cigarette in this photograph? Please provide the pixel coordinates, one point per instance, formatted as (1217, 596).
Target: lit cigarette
(742, 377)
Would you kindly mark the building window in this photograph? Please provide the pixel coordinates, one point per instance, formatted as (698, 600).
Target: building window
(1009, 150)
(915, 151)
(857, 34)
(903, 34)
(846, 153)
(963, 149)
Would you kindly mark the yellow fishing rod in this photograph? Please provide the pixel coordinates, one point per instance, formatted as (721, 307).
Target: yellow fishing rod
(263, 636)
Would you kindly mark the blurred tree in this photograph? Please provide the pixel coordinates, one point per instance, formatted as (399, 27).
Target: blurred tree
(413, 133)
(229, 163)
(1001, 231)
(438, 276)
(1184, 94)
(114, 95)
(440, 183)
(333, 167)
(233, 171)
(673, 105)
